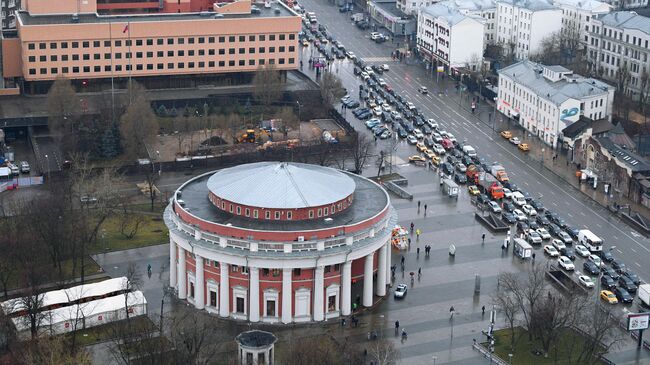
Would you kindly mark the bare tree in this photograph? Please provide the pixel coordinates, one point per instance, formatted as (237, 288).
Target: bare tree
(553, 315)
(193, 336)
(138, 124)
(331, 88)
(383, 352)
(63, 107)
(506, 303)
(320, 351)
(361, 150)
(602, 333)
(267, 85)
(49, 350)
(526, 293)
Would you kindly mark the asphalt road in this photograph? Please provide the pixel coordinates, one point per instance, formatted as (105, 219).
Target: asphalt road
(451, 112)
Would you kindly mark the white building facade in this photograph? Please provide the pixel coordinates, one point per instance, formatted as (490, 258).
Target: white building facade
(577, 15)
(485, 9)
(523, 25)
(448, 38)
(546, 99)
(619, 48)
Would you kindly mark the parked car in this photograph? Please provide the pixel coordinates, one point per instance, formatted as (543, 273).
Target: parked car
(509, 217)
(400, 291)
(627, 284)
(544, 233)
(551, 251)
(568, 253)
(607, 282)
(608, 271)
(566, 263)
(632, 276)
(623, 295)
(590, 268)
(558, 244)
(582, 250)
(586, 281)
(24, 167)
(606, 255)
(608, 297)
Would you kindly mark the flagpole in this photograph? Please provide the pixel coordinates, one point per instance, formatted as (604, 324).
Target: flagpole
(110, 37)
(128, 28)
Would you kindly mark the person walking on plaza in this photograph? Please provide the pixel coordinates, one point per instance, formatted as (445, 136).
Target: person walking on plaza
(418, 206)
(483, 237)
(418, 253)
(412, 226)
(425, 210)
(417, 234)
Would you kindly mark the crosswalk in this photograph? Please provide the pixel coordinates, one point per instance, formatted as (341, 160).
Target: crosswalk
(378, 59)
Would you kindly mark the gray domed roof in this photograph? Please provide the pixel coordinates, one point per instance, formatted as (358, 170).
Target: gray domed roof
(281, 185)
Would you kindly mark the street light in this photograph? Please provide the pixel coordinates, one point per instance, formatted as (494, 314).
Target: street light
(434, 357)
(510, 358)
(48, 166)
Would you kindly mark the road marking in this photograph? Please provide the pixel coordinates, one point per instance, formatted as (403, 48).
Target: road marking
(552, 193)
(616, 238)
(525, 183)
(637, 264)
(583, 214)
(633, 250)
(570, 215)
(554, 204)
(619, 251)
(599, 225)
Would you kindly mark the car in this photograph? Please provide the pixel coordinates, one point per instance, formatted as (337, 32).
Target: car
(537, 205)
(377, 111)
(381, 82)
(411, 139)
(520, 215)
(522, 226)
(607, 282)
(24, 167)
(438, 149)
(573, 232)
(400, 291)
(542, 220)
(565, 263)
(423, 90)
(435, 159)
(619, 266)
(554, 229)
(507, 193)
(448, 169)
(568, 253)
(608, 297)
(473, 190)
(462, 179)
(627, 284)
(532, 224)
(606, 255)
(534, 237)
(461, 167)
(632, 276)
(524, 147)
(515, 140)
(596, 260)
(610, 272)
(558, 221)
(417, 158)
(351, 55)
(528, 209)
(565, 237)
(509, 207)
(506, 134)
(544, 233)
(432, 123)
(494, 207)
(586, 281)
(590, 268)
(385, 67)
(623, 295)
(551, 251)
(558, 244)
(509, 217)
(386, 134)
(582, 250)
(421, 147)
(371, 123)
(418, 133)
(430, 154)
(482, 199)
(402, 133)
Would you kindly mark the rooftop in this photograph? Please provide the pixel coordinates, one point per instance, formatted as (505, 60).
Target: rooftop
(369, 200)
(281, 185)
(588, 5)
(469, 5)
(626, 20)
(633, 161)
(391, 9)
(533, 5)
(529, 74)
(91, 18)
(451, 15)
(256, 338)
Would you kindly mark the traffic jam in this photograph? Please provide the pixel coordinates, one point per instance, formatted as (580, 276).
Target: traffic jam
(387, 114)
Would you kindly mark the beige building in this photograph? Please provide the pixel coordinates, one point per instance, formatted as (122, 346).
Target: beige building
(56, 38)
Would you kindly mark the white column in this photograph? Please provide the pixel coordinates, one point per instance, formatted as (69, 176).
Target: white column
(381, 272)
(199, 284)
(224, 291)
(254, 296)
(319, 288)
(346, 289)
(182, 274)
(173, 266)
(287, 296)
(367, 280)
(389, 260)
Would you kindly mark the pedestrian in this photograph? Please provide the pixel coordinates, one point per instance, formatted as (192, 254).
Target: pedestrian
(533, 256)
(483, 310)
(418, 205)
(412, 226)
(483, 237)
(419, 272)
(402, 260)
(409, 241)
(417, 234)
(342, 322)
(425, 209)
(418, 252)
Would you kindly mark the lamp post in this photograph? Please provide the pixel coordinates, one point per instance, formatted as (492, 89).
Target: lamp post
(510, 358)
(48, 166)
(434, 357)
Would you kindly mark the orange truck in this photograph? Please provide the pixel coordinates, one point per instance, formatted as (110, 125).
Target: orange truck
(489, 185)
(499, 172)
(472, 173)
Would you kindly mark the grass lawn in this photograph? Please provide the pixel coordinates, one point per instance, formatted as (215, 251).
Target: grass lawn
(90, 266)
(523, 352)
(151, 232)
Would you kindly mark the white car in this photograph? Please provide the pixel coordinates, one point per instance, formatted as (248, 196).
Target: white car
(364, 75)
(410, 105)
(436, 137)
(515, 141)
(566, 263)
(519, 215)
(586, 281)
(551, 251)
(565, 237)
(528, 209)
(432, 123)
(382, 82)
(544, 233)
(369, 70)
(418, 133)
(451, 137)
(507, 193)
(386, 107)
(596, 260)
(438, 149)
(534, 237)
(374, 35)
(351, 55)
(377, 111)
(582, 250)
(385, 67)
(494, 206)
(400, 291)
(423, 90)
(411, 139)
(558, 244)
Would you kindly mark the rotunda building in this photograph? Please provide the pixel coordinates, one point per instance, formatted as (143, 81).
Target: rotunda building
(280, 242)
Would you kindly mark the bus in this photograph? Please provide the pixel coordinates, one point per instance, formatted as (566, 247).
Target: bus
(590, 240)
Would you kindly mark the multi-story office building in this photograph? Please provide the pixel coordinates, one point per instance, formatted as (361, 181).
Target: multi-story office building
(449, 38)
(485, 9)
(620, 5)
(153, 6)
(56, 40)
(523, 25)
(618, 50)
(546, 99)
(576, 17)
(412, 7)
(7, 10)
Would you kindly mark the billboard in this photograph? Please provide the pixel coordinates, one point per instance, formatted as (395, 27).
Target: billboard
(638, 321)
(569, 112)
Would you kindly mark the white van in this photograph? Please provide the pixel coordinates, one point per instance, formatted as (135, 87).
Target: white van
(522, 248)
(469, 151)
(590, 240)
(518, 198)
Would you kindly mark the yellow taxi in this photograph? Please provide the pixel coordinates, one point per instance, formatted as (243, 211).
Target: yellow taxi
(473, 190)
(506, 134)
(430, 154)
(417, 158)
(421, 147)
(608, 296)
(435, 159)
(524, 147)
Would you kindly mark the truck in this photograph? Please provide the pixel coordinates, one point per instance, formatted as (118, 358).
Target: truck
(499, 172)
(592, 242)
(489, 185)
(472, 173)
(469, 151)
(644, 294)
(522, 248)
(357, 17)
